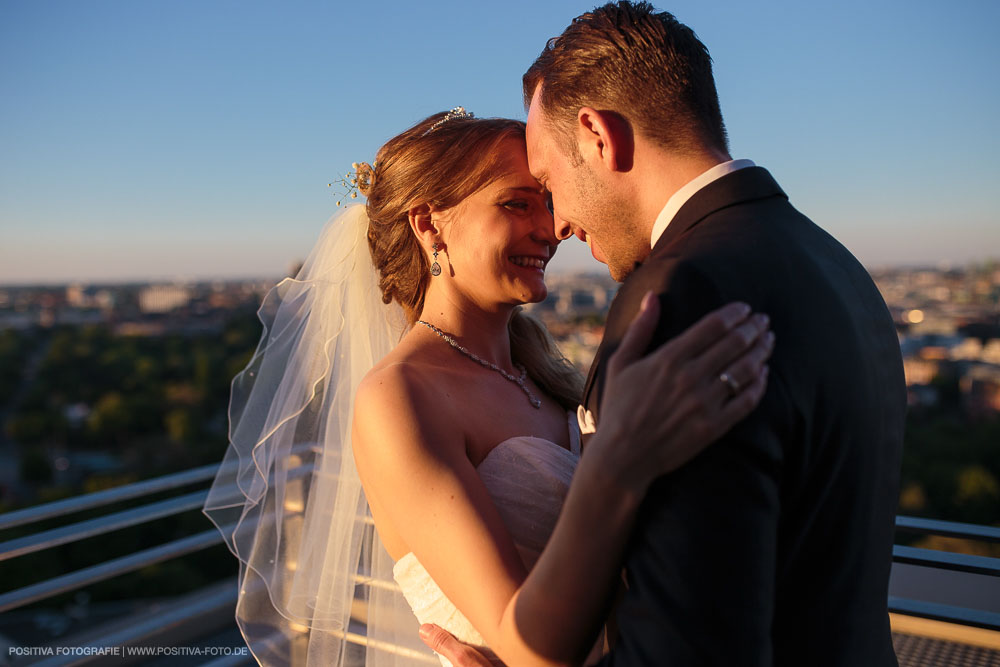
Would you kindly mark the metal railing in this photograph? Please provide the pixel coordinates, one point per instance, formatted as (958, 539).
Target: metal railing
(946, 583)
(218, 601)
(207, 610)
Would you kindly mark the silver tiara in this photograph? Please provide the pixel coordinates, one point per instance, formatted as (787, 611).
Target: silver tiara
(457, 112)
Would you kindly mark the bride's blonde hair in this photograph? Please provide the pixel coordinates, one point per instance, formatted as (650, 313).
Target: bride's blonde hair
(441, 167)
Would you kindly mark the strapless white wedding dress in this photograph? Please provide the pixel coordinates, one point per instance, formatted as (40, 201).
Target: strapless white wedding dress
(528, 479)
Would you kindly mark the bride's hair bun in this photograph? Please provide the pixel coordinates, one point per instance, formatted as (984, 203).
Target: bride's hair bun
(365, 175)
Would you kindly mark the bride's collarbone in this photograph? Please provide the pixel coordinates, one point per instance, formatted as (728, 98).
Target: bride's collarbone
(485, 406)
(491, 415)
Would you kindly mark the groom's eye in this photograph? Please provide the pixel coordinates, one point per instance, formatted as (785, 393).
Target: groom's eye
(518, 204)
(548, 205)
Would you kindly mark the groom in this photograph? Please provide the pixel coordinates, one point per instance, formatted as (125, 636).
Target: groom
(773, 547)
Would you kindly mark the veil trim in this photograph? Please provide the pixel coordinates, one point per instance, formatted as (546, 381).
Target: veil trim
(287, 498)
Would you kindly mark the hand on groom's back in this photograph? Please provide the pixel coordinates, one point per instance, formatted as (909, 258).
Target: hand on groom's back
(460, 655)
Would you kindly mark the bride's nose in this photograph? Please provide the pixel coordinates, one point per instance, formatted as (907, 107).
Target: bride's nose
(544, 231)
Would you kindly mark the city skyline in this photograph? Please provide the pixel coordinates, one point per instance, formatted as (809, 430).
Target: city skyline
(161, 141)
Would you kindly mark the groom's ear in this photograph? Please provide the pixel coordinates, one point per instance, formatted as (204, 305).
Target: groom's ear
(423, 224)
(605, 137)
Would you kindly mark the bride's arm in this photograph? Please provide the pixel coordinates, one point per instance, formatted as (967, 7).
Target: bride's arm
(419, 481)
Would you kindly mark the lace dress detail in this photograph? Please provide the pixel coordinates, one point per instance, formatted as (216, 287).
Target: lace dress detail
(528, 479)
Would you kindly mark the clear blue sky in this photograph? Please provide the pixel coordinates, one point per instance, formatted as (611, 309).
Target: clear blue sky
(189, 139)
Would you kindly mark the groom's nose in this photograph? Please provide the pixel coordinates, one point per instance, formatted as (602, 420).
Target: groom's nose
(562, 229)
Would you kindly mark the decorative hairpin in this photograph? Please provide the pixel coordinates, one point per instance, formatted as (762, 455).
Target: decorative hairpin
(361, 180)
(457, 112)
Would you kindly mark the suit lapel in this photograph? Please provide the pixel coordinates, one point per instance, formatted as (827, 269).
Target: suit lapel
(732, 189)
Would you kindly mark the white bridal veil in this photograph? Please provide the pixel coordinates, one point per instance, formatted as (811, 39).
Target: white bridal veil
(316, 583)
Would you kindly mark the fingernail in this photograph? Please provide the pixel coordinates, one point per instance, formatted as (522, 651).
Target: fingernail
(769, 338)
(647, 299)
(424, 631)
(744, 309)
(763, 319)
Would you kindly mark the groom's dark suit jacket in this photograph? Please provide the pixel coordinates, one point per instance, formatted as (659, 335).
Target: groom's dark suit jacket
(773, 546)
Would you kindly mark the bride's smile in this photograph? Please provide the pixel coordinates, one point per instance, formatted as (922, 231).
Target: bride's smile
(498, 241)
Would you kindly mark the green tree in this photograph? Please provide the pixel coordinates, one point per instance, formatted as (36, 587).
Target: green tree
(36, 426)
(109, 420)
(978, 494)
(181, 425)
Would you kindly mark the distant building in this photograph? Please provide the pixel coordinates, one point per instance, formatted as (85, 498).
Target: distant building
(163, 298)
(80, 296)
(574, 295)
(919, 371)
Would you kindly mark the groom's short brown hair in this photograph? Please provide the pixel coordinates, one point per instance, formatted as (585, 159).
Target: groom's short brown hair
(629, 58)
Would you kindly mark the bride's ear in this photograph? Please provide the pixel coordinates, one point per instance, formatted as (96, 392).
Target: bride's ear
(424, 227)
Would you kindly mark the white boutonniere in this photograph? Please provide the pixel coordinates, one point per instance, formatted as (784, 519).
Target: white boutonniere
(586, 420)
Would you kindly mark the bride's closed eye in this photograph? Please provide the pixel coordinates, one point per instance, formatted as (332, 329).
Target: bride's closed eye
(517, 204)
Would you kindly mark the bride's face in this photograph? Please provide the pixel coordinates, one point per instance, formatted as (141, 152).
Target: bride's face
(499, 240)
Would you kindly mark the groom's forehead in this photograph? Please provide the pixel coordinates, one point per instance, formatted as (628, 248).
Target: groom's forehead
(540, 141)
(537, 123)
(545, 155)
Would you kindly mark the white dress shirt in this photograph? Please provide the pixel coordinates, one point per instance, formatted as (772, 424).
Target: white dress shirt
(680, 197)
(584, 416)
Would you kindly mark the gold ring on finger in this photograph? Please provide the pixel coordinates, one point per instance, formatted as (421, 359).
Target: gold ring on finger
(731, 384)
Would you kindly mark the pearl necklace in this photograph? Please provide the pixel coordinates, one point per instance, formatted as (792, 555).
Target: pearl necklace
(519, 381)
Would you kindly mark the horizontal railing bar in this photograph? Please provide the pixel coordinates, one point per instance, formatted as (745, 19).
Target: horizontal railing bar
(942, 612)
(372, 582)
(106, 497)
(353, 635)
(946, 560)
(148, 626)
(973, 531)
(108, 569)
(125, 492)
(389, 647)
(100, 525)
(108, 523)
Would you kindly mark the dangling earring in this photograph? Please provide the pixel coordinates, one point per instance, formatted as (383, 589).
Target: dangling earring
(435, 267)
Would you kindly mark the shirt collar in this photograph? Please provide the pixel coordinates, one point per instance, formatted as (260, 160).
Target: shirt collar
(679, 198)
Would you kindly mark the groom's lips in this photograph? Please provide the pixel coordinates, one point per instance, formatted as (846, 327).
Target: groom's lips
(595, 249)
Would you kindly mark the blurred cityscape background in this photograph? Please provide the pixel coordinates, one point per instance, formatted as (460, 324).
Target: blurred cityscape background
(102, 385)
(154, 154)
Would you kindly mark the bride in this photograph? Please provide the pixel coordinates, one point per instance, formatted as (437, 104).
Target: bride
(401, 386)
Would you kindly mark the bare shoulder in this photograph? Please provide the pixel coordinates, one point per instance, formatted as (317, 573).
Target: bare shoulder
(386, 384)
(394, 404)
(393, 386)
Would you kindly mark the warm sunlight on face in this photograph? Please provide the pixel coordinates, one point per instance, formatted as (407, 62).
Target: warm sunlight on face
(582, 205)
(499, 240)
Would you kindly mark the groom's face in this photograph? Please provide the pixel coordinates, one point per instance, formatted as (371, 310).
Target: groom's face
(582, 204)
